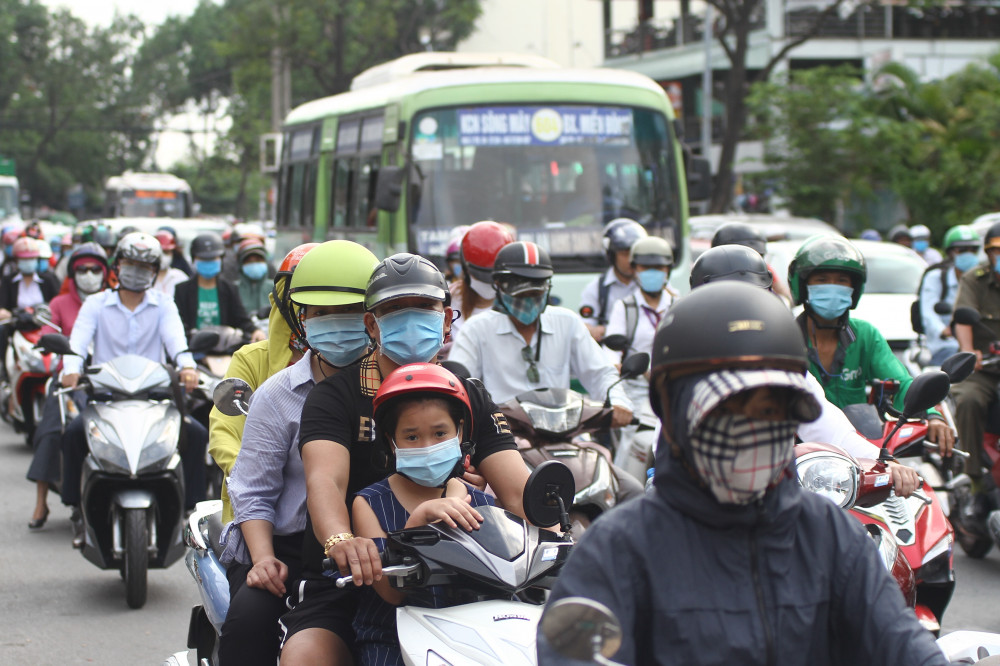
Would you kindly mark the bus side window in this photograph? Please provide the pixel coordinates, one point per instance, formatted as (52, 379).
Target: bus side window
(342, 181)
(296, 186)
(365, 194)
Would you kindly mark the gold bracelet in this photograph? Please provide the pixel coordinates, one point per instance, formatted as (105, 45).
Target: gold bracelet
(334, 540)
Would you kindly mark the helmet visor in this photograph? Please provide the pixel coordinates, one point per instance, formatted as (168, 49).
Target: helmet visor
(517, 286)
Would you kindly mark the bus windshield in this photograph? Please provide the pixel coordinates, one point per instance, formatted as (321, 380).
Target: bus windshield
(160, 203)
(558, 173)
(8, 201)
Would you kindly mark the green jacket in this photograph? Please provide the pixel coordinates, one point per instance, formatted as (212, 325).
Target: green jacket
(862, 356)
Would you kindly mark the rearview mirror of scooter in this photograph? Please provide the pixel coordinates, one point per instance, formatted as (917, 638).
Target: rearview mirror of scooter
(942, 308)
(55, 343)
(616, 342)
(232, 396)
(635, 365)
(203, 342)
(959, 366)
(928, 389)
(548, 494)
(582, 629)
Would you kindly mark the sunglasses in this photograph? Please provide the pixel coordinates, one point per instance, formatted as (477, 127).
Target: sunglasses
(527, 356)
(89, 269)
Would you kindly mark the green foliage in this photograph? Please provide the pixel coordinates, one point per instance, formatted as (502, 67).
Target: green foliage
(932, 144)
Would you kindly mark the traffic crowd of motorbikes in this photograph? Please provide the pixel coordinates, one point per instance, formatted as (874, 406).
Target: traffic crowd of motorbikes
(368, 461)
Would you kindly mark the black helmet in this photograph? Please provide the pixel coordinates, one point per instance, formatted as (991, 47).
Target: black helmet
(403, 275)
(522, 259)
(739, 233)
(89, 250)
(731, 325)
(731, 262)
(621, 234)
(992, 237)
(207, 246)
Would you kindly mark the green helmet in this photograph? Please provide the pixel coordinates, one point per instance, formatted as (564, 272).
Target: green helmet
(961, 236)
(333, 273)
(832, 253)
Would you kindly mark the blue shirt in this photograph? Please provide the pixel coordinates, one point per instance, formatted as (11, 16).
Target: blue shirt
(114, 330)
(267, 481)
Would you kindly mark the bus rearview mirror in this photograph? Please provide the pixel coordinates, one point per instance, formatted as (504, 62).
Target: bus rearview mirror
(389, 188)
(699, 179)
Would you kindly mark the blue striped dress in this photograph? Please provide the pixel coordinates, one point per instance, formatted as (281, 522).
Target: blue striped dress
(375, 621)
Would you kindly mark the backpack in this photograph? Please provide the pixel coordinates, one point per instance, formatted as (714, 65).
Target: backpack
(603, 289)
(916, 320)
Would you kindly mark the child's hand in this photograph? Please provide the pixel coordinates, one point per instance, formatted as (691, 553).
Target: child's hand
(454, 512)
(473, 478)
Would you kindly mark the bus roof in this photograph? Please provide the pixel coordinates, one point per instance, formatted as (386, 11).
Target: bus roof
(8, 180)
(439, 60)
(418, 82)
(131, 180)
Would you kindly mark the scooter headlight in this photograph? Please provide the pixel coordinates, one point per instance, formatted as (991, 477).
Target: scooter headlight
(159, 451)
(105, 448)
(829, 475)
(554, 419)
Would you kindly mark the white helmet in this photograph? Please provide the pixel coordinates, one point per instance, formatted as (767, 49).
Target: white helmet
(138, 246)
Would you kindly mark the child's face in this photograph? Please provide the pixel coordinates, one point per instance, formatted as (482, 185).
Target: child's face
(424, 424)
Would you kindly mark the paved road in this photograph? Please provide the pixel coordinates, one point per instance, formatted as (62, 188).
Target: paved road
(56, 608)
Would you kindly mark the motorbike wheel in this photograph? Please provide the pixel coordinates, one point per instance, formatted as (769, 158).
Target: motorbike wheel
(136, 557)
(973, 546)
(972, 543)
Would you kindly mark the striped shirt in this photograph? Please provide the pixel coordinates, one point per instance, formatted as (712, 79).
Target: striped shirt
(267, 481)
(375, 621)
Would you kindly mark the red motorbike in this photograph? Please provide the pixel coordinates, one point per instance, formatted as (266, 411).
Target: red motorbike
(919, 523)
(28, 370)
(975, 516)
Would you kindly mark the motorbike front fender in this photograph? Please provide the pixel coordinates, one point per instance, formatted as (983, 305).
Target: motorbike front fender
(133, 498)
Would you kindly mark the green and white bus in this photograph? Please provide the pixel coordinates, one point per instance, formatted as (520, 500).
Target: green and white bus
(432, 141)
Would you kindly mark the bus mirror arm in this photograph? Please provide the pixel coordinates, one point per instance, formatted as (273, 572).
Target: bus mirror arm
(389, 187)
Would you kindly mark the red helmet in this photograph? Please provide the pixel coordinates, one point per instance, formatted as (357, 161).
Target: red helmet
(422, 378)
(10, 237)
(292, 260)
(480, 246)
(26, 248)
(167, 240)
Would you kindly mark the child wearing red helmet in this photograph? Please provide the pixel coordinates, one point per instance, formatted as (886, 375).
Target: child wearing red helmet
(423, 413)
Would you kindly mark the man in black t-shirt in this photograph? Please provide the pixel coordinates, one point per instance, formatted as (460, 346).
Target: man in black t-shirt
(408, 316)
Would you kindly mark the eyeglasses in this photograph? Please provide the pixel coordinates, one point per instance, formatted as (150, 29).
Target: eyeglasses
(528, 356)
(89, 269)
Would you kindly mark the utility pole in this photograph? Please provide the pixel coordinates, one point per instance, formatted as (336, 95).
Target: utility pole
(706, 87)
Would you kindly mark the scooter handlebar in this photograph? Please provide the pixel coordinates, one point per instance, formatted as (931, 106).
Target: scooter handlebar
(398, 571)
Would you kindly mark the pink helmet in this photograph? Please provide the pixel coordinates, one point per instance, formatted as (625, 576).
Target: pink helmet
(26, 248)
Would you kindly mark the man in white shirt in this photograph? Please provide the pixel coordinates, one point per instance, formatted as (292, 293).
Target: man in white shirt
(600, 295)
(523, 345)
(131, 320)
(636, 317)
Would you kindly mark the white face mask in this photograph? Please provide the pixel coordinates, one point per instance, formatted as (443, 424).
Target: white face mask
(88, 283)
(165, 261)
(484, 289)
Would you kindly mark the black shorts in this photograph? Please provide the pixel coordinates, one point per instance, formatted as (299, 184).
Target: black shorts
(317, 603)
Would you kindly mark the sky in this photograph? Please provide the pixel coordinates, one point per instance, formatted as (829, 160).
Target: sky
(172, 145)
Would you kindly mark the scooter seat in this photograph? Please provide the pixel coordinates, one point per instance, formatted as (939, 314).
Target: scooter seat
(215, 533)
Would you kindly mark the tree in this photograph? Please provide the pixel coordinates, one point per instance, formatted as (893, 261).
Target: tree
(738, 18)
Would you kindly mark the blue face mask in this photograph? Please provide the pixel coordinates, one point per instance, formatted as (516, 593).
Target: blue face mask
(27, 266)
(651, 280)
(526, 309)
(921, 245)
(208, 268)
(966, 261)
(43, 265)
(9, 251)
(996, 264)
(255, 271)
(829, 301)
(429, 466)
(341, 339)
(412, 335)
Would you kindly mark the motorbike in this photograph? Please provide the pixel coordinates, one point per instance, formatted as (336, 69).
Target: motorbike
(586, 630)
(919, 522)
(28, 371)
(550, 424)
(498, 576)
(975, 517)
(132, 498)
(634, 446)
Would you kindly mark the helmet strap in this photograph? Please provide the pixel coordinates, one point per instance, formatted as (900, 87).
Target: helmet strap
(839, 324)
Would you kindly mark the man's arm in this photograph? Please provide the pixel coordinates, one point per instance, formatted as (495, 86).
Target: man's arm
(506, 473)
(83, 335)
(930, 295)
(327, 468)
(589, 364)
(172, 334)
